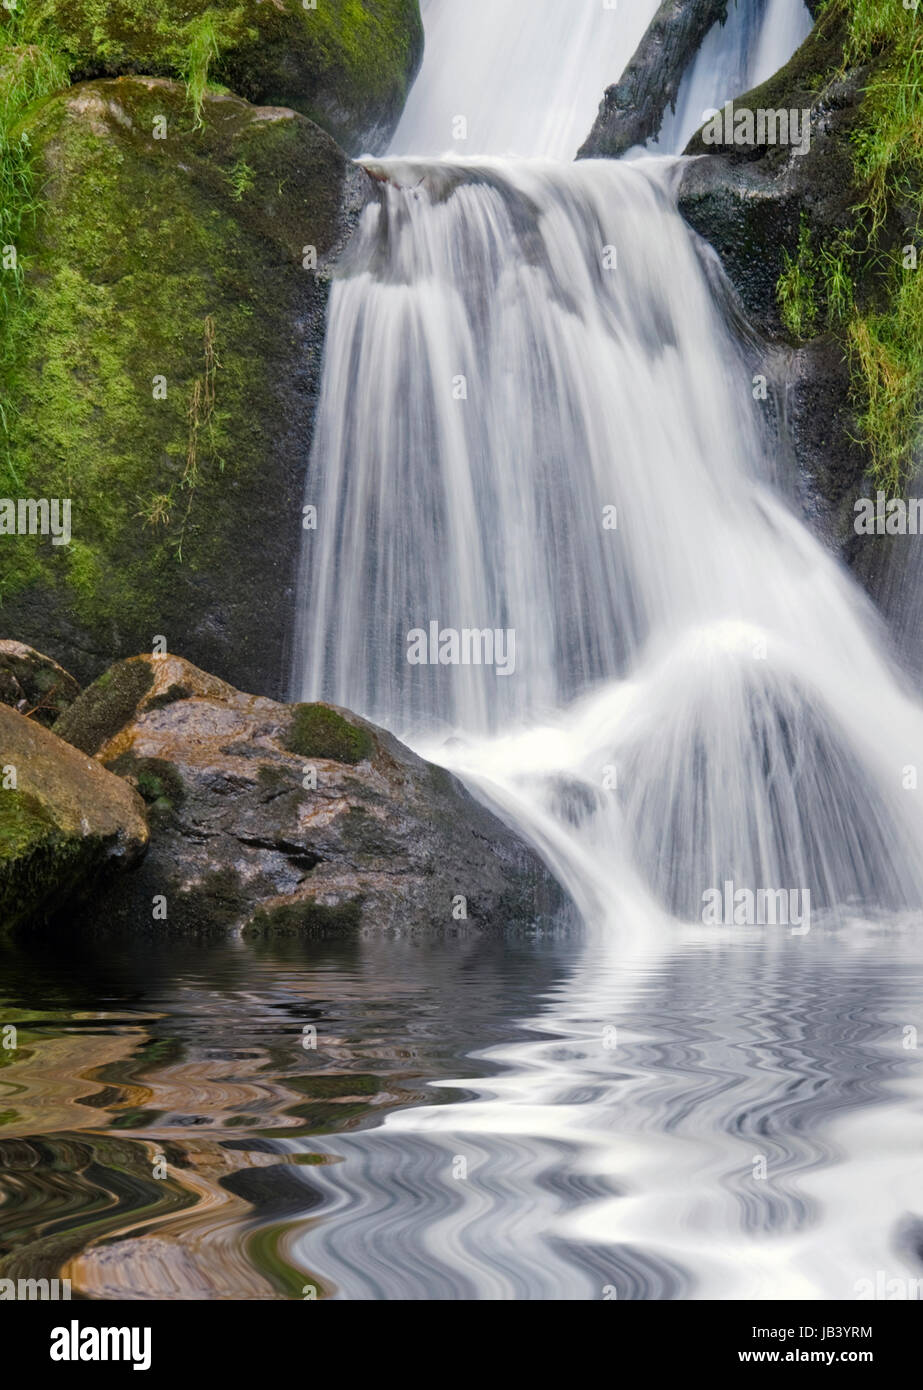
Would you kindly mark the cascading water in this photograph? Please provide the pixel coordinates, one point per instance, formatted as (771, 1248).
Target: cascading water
(758, 38)
(515, 78)
(536, 421)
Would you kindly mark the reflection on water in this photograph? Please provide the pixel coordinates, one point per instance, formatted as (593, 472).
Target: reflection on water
(733, 1114)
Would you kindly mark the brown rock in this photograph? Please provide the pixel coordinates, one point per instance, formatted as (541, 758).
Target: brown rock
(269, 817)
(65, 822)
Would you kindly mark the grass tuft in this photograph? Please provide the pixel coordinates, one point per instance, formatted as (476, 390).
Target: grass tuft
(864, 282)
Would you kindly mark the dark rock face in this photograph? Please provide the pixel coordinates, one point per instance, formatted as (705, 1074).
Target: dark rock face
(34, 684)
(750, 210)
(632, 109)
(65, 823)
(166, 359)
(278, 818)
(747, 200)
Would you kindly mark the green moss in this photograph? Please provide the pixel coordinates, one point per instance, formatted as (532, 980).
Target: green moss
(305, 918)
(34, 855)
(347, 64)
(23, 823)
(884, 332)
(862, 281)
(362, 56)
(145, 265)
(98, 714)
(28, 72)
(318, 731)
(156, 780)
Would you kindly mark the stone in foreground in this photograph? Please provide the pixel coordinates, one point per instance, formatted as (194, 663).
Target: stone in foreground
(271, 818)
(65, 823)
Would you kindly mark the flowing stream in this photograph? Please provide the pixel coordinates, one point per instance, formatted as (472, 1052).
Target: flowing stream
(538, 419)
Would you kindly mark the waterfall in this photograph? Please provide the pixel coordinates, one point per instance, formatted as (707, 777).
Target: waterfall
(537, 427)
(758, 38)
(524, 77)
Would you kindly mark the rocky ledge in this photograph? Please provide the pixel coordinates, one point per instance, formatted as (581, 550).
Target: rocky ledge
(268, 817)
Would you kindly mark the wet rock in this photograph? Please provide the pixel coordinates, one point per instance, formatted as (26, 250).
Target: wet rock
(66, 824)
(751, 203)
(632, 109)
(294, 818)
(33, 684)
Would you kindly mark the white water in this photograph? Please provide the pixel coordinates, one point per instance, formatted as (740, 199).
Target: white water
(758, 38)
(527, 78)
(699, 695)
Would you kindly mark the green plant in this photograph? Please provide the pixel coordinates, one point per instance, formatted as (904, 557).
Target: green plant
(202, 46)
(241, 179)
(881, 322)
(796, 290)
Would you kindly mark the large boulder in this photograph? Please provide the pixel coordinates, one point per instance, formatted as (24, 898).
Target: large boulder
(65, 823)
(268, 817)
(348, 64)
(160, 371)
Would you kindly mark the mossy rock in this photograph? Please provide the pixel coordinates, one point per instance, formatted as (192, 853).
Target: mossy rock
(161, 371)
(157, 782)
(307, 918)
(64, 822)
(243, 839)
(348, 64)
(106, 706)
(320, 731)
(34, 852)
